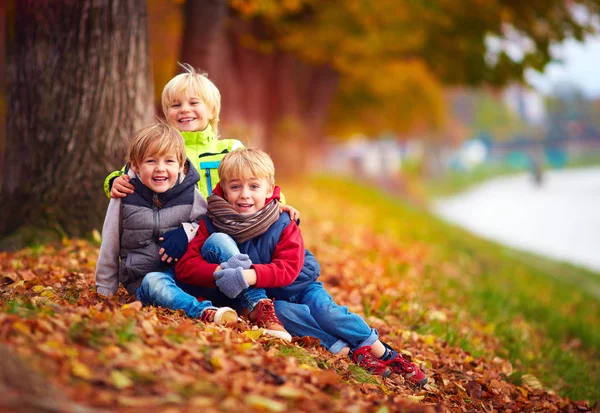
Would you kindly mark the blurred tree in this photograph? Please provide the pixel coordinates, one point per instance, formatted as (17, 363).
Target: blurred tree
(79, 84)
(165, 27)
(571, 114)
(382, 63)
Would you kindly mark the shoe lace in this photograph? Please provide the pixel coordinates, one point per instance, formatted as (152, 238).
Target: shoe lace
(367, 361)
(402, 363)
(266, 313)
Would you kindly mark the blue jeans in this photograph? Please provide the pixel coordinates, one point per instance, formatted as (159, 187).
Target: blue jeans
(162, 289)
(313, 312)
(218, 248)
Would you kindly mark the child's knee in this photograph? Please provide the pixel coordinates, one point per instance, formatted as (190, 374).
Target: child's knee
(219, 247)
(221, 239)
(154, 280)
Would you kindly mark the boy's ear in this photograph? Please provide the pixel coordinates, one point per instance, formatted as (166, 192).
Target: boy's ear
(134, 168)
(270, 193)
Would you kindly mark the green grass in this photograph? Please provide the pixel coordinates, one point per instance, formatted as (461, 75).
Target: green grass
(546, 314)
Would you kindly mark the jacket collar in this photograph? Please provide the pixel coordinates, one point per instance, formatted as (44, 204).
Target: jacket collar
(199, 137)
(185, 181)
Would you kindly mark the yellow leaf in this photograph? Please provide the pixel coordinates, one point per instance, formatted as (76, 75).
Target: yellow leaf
(120, 380)
(81, 370)
(245, 347)
(289, 392)
(216, 362)
(415, 399)
(20, 283)
(437, 315)
(532, 381)
(96, 237)
(429, 339)
(21, 327)
(253, 334)
(136, 305)
(47, 293)
(38, 289)
(263, 403)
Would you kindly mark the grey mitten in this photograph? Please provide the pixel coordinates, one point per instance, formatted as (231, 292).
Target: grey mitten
(238, 260)
(231, 281)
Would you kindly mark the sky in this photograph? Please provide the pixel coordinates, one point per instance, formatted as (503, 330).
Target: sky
(581, 67)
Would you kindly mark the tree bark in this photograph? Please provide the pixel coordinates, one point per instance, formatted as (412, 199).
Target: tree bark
(79, 85)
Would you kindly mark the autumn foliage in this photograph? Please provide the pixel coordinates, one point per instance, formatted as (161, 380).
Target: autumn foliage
(65, 347)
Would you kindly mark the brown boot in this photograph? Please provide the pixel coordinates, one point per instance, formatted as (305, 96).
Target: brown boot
(264, 316)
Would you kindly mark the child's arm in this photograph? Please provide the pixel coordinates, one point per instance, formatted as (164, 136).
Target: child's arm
(122, 187)
(294, 213)
(287, 261)
(175, 242)
(107, 266)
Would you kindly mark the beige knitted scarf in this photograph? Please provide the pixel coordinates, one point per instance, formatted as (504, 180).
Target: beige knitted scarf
(241, 227)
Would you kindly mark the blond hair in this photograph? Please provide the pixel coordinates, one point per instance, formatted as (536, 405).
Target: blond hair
(244, 163)
(157, 139)
(193, 83)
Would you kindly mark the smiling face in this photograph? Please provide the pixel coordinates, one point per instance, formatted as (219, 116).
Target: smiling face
(158, 172)
(189, 113)
(247, 195)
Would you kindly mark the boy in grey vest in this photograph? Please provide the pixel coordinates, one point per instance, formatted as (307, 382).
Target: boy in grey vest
(145, 230)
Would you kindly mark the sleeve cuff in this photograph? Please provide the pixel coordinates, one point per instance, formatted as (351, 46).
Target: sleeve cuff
(105, 291)
(109, 181)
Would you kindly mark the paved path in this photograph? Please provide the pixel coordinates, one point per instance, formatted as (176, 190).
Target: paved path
(560, 219)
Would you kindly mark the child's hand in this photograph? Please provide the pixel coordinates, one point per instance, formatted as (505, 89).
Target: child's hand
(173, 245)
(121, 187)
(238, 260)
(231, 281)
(294, 213)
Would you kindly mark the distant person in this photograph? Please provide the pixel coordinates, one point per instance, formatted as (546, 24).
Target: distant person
(262, 252)
(166, 200)
(192, 104)
(536, 170)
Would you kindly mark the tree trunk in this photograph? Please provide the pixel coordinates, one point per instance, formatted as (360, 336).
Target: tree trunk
(79, 85)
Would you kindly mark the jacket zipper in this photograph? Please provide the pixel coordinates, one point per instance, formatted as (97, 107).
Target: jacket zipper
(155, 229)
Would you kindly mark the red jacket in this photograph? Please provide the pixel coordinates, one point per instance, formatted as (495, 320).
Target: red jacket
(287, 259)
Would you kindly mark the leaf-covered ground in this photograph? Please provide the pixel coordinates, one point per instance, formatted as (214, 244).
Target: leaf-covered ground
(66, 349)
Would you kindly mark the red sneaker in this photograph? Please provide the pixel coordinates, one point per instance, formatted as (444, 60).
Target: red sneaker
(407, 369)
(264, 316)
(363, 357)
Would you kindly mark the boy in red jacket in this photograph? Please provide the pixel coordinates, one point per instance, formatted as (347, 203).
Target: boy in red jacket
(249, 251)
